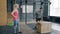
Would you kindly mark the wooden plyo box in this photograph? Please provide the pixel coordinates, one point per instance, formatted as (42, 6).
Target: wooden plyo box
(44, 27)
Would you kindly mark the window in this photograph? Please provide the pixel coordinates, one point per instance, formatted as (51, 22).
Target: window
(29, 9)
(55, 8)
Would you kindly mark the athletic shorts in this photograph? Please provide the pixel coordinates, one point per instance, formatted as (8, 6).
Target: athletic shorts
(38, 19)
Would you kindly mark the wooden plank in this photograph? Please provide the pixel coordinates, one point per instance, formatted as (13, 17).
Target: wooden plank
(3, 12)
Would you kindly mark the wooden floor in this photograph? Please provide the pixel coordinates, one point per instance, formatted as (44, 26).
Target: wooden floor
(27, 30)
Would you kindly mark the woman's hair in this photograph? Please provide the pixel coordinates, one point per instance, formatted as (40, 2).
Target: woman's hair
(15, 5)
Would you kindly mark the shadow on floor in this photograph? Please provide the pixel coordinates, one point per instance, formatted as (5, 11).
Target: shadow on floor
(6, 29)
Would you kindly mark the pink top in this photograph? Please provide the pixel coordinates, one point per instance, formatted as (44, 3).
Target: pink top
(16, 14)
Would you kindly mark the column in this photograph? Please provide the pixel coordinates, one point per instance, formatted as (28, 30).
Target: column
(3, 12)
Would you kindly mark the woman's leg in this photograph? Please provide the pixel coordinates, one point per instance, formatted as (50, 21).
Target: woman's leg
(15, 26)
(18, 26)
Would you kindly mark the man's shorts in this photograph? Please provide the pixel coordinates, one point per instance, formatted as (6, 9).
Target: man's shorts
(38, 19)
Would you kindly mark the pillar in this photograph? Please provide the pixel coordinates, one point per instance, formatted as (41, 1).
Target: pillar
(3, 12)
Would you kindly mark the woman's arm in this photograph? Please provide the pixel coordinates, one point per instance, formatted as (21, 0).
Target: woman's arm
(13, 14)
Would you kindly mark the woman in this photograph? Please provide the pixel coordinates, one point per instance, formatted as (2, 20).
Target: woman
(16, 18)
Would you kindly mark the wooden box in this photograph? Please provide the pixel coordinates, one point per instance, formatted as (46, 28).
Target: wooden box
(44, 27)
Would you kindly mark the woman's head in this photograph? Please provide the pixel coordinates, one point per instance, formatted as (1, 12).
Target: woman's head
(16, 6)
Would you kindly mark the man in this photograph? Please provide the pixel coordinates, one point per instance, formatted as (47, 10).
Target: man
(38, 15)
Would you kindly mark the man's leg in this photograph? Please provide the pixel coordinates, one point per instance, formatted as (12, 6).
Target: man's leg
(37, 21)
(40, 20)
(35, 24)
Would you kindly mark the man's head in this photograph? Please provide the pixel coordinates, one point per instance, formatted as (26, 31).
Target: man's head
(41, 9)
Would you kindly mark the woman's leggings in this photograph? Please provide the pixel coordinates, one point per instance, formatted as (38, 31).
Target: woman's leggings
(16, 26)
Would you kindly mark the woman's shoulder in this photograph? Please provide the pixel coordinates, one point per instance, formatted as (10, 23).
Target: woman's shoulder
(15, 10)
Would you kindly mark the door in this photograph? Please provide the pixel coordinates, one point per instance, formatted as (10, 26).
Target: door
(3, 13)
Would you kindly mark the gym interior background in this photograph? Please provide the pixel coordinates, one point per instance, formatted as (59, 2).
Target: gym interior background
(51, 11)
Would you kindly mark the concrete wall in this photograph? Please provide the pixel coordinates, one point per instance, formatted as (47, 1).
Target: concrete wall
(3, 12)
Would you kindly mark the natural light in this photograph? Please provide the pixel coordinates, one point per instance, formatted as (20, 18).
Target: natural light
(55, 8)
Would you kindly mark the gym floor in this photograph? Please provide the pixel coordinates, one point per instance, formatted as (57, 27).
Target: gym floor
(28, 29)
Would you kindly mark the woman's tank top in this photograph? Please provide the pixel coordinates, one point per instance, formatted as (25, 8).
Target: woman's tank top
(15, 14)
